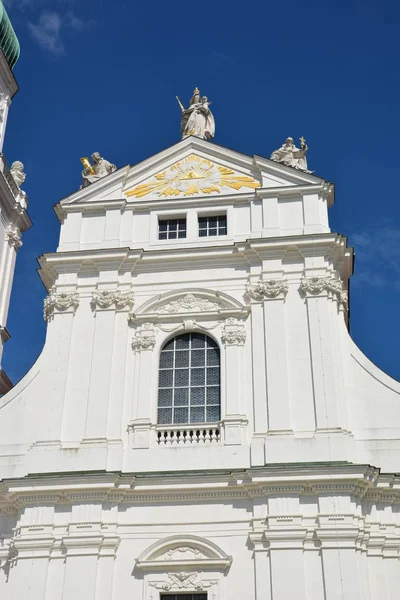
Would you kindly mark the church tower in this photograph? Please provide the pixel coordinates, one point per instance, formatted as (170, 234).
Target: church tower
(13, 202)
(200, 425)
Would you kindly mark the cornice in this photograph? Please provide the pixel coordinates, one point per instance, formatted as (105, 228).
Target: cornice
(362, 481)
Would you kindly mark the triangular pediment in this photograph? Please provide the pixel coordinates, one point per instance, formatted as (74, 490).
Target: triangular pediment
(190, 168)
(194, 175)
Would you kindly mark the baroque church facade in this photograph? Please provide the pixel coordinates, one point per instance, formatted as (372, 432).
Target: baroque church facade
(200, 425)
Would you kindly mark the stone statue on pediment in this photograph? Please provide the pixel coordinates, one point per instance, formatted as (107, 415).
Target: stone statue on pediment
(99, 169)
(290, 156)
(17, 172)
(198, 119)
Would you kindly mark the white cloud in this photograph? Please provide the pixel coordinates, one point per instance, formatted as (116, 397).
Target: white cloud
(377, 256)
(46, 32)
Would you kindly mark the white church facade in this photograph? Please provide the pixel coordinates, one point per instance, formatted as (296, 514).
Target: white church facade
(200, 425)
(14, 218)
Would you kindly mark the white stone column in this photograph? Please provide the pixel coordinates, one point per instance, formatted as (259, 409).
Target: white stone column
(78, 380)
(143, 345)
(262, 571)
(12, 245)
(81, 567)
(259, 384)
(320, 292)
(59, 312)
(286, 548)
(105, 303)
(273, 294)
(233, 337)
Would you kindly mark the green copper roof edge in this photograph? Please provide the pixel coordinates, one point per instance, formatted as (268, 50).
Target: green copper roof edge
(9, 42)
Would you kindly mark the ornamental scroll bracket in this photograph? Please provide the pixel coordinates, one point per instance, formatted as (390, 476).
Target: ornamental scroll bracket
(315, 286)
(108, 298)
(61, 302)
(268, 290)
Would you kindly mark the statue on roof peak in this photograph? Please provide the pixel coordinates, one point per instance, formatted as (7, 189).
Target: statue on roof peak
(198, 119)
(290, 156)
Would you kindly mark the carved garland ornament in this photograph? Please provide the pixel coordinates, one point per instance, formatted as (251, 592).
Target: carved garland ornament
(61, 302)
(317, 285)
(183, 581)
(267, 290)
(13, 237)
(233, 333)
(106, 299)
(190, 302)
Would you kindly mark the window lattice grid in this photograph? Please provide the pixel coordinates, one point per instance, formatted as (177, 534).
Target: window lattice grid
(183, 597)
(171, 229)
(213, 226)
(189, 381)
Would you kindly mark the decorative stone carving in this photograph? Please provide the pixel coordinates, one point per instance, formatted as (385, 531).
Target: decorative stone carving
(61, 302)
(145, 338)
(106, 299)
(290, 156)
(13, 237)
(100, 168)
(344, 300)
(4, 102)
(267, 290)
(198, 119)
(233, 333)
(183, 553)
(316, 285)
(189, 303)
(181, 581)
(17, 172)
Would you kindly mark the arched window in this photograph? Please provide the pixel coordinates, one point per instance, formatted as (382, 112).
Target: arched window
(189, 380)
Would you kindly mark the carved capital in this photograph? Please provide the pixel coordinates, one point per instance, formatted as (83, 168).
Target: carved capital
(233, 333)
(268, 290)
(108, 298)
(314, 286)
(13, 237)
(145, 338)
(60, 302)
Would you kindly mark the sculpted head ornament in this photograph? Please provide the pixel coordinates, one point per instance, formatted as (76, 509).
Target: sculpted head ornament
(17, 172)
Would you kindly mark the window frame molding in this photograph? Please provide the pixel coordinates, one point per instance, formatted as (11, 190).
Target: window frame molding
(183, 564)
(214, 314)
(201, 424)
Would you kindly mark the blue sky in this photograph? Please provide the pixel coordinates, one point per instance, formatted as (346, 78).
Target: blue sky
(102, 76)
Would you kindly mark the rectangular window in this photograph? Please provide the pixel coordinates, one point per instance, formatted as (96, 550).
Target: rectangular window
(183, 597)
(171, 229)
(211, 226)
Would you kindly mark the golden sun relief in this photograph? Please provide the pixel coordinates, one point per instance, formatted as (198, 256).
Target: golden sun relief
(193, 175)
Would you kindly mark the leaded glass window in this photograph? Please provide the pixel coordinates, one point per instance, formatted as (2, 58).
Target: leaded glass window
(212, 226)
(189, 380)
(183, 597)
(171, 229)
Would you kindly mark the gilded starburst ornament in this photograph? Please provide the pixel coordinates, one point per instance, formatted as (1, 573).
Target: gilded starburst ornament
(191, 176)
